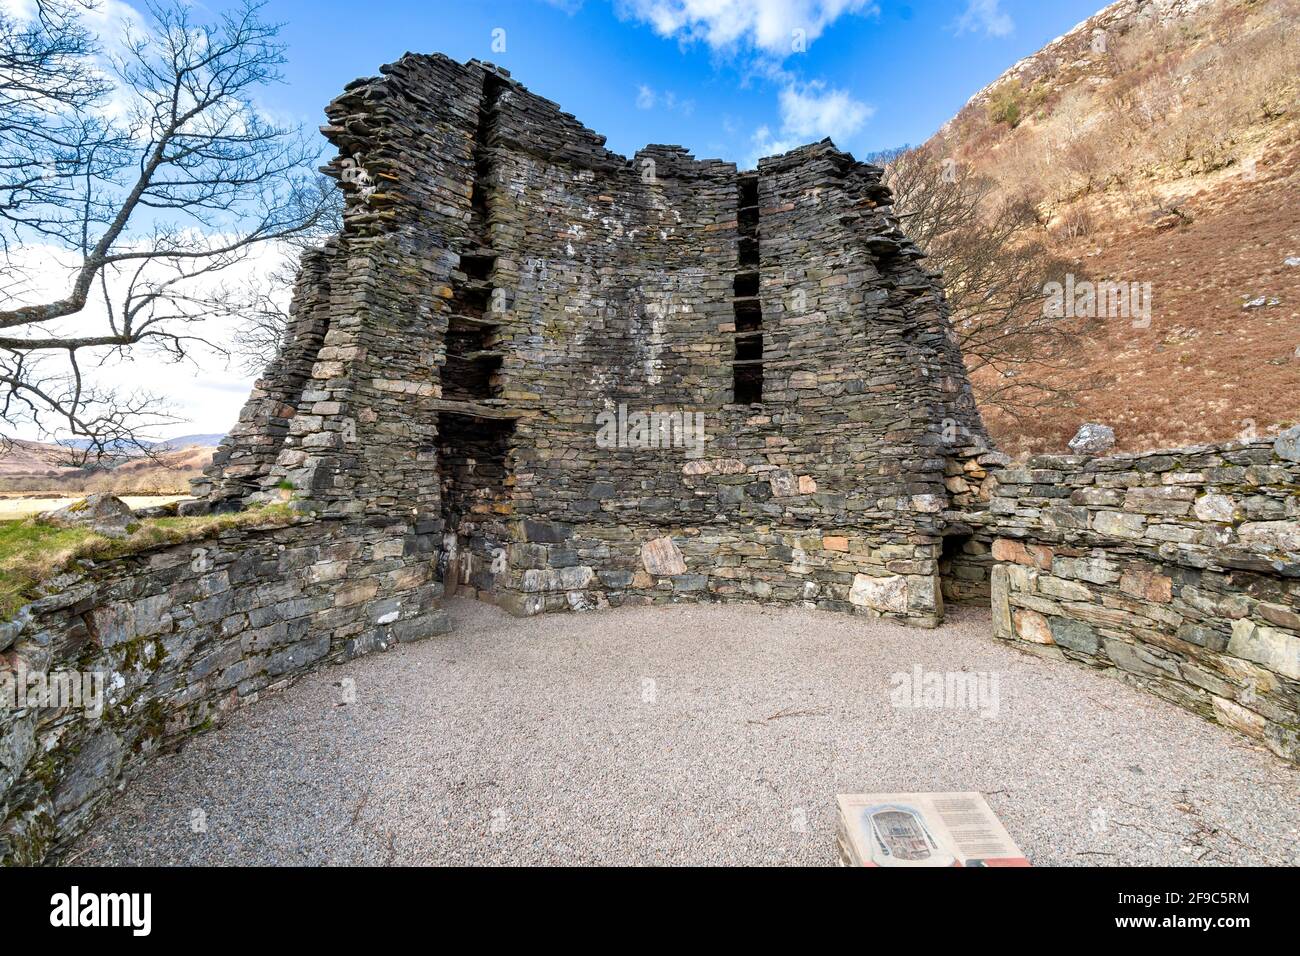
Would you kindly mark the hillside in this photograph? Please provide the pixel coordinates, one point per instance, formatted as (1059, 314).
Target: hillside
(38, 467)
(1158, 142)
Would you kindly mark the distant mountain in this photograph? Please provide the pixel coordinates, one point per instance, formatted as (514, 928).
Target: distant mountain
(41, 467)
(202, 440)
(208, 440)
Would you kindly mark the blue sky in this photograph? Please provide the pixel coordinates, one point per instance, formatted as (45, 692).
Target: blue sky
(721, 77)
(716, 76)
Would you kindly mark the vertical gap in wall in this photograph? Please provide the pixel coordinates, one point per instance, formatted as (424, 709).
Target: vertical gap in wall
(493, 87)
(747, 367)
(474, 448)
(473, 367)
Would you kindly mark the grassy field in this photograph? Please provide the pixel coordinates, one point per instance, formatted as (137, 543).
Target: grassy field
(32, 552)
(17, 507)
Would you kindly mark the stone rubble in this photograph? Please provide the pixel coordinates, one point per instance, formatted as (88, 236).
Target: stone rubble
(1092, 439)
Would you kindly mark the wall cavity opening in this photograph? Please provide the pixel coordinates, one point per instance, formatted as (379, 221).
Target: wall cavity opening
(965, 565)
(493, 87)
(472, 371)
(747, 364)
(473, 453)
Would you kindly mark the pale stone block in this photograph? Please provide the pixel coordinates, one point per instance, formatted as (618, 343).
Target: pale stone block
(880, 594)
(661, 556)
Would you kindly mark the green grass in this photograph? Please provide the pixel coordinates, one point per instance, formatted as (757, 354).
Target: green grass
(32, 553)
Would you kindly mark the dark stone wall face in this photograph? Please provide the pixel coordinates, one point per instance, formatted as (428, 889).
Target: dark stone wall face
(178, 637)
(497, 262)
(1178, 571)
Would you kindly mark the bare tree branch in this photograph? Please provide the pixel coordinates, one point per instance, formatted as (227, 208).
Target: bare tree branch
(153, 169)
(995, 266)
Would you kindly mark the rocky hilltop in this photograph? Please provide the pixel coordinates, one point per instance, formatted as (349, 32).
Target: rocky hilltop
(1158, 142)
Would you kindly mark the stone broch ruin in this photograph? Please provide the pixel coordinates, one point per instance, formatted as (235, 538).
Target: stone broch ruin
(502, 280)
(538, 373)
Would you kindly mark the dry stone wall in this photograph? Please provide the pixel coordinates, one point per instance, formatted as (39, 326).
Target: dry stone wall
(593, 381)
(508, 305)
(562, 380)
(180, 636)
(1178, 571)
(516, 371)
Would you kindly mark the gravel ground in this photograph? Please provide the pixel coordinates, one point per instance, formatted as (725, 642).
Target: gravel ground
(697, 734)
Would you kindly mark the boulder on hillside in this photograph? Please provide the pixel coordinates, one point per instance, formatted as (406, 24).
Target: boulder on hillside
(1093, 439)
(102, 513)
(1287, 444)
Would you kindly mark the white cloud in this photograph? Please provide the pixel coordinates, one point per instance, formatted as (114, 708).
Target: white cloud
(773, 26)
(764, 143)
(986, 16)
(810, 112)
(110, 23)
(647, 98)
(206, 393)
(109, 20)
(21, 10)
(764, 34)
(815, 111)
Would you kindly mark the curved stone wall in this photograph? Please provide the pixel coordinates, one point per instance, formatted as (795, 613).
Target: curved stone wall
(504, 285)
(1176, 570)
(179, 637)
(503, 289)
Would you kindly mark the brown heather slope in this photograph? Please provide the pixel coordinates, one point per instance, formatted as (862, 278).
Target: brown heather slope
(1167, 152)
(37, 467)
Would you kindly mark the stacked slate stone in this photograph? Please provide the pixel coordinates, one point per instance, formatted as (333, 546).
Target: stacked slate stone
(253, 445)
(499, 266)
(1180, 570)
(503, 284)
(503, 289)
(180, 636)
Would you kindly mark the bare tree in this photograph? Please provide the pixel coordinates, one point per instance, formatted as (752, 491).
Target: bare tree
(265, 316)
(995, 264)
(145, 163)
(48, 89)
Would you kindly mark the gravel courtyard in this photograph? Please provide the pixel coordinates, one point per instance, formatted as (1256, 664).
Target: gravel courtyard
(698, 734)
